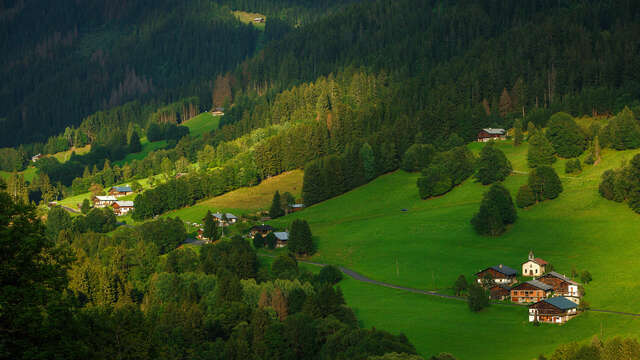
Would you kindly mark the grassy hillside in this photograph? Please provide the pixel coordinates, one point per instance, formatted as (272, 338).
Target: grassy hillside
(63, 156)
(245, 199)
(202, 123)
(432, 243)
(147, 147)
(247, 18)
(29, 173)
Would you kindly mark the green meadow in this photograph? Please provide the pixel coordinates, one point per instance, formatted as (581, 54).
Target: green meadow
(432, 243)
(147, 147)
(74, 201)
(202, 123)
(29, 173)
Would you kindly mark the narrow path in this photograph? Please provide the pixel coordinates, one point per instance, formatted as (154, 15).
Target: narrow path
(359, 277)
(71, 210)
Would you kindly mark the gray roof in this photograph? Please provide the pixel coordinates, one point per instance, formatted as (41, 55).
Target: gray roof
(297, 205)
(504, 269)
(123, 188)
(229, 216)
(560, 276)
(561, 302)
(540, 285)
(125, 203)
(281, 235)
(495, 131)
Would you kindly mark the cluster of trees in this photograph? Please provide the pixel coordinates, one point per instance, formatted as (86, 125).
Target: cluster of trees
(280, 204)
(446, 170)
(335, 174)
(496, 212)
(99, 220)
(596, 349)
(543, 184)
(623, 184)
(93, 295)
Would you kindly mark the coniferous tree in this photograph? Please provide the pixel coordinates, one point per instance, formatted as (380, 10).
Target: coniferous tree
(258, 241)
(545, 183)
(210, 229)
(270, 240)
(368, 161)
(518, 136)
(496, 212)
(478, 298)
(541, 151)
(434, 182)
(565, 135)
(275, 211)
(460, 285)
(86, 206)
(134, 143)
(525, 197)
(57, 219)
(300, 238)
(531, 129)
(493, 165)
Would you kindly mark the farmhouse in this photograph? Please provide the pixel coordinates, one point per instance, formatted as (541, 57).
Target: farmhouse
(281, 238)
(562, 285)
(258, 20)
(226, 219)
(103, 201)
(296, 207)
(36, 157)
(556, 310)
(118, 191)
(262, 229)
(500, 274)
(219, 111)
(122, 207)
(499, 292)
(489, 134)
(530, 291)
(534, 266)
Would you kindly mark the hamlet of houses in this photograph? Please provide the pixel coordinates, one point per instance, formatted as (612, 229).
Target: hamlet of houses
(120, 207)
(552, 297)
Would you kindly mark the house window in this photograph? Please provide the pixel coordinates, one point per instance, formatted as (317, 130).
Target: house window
(536, 271)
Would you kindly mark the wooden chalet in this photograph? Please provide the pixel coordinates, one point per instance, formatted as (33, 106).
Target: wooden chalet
(500, 274)
(490, 134)
(258, 20)
(530, 291)
(122, 207)
(219, 111)
(119, 191)
(282, 237)
(555, 310)
(226, 219)
(104, 201)
(562, 286)
(499, 292)
(261, 229)
(534, 266)
(36, 157)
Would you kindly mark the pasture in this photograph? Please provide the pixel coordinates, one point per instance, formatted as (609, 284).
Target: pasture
(431, 244)
(202, 123)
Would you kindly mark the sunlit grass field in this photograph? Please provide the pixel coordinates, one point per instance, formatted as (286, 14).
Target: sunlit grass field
(202, 123)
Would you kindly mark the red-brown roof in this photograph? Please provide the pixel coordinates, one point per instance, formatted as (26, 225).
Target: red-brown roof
(538, 261)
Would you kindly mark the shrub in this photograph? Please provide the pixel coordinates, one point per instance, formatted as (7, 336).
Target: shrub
(545, 183)
(565, 135)
(572, 166)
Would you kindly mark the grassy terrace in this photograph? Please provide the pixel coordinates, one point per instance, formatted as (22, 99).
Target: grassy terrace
(247, 18)
(202, 123)
(147, 147)
(431, 244)
(244, 200)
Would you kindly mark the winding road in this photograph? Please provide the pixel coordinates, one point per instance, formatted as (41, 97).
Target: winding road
(359, 277)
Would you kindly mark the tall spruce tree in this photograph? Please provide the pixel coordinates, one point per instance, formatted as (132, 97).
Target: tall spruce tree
(300, 238)
(541, 151)
(518, 136)
(368, 161)
(525, 197)
(134, 143)
(276, 206)
(210, 230)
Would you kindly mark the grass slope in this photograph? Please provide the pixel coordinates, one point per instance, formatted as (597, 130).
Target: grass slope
(247, 18)
(74, 201)
(29, 173)
(202, 123)
(63, 156)
(147, 147)
(245, 199)
(431, 244)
